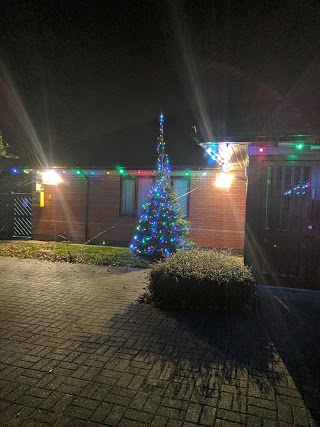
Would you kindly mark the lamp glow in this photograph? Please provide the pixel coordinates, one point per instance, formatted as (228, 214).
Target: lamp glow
(223, 180)
(50, 177)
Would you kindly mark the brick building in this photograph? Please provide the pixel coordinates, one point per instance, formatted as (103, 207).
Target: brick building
(271, 211)
(103, 206)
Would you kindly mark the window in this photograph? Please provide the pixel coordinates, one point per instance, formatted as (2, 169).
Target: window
(128, 193)
(144, 185)
(181, 188)
(134, 192)
(288, 195)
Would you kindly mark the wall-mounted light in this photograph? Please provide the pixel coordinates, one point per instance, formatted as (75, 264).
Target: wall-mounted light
(224, 180)
(50, 177)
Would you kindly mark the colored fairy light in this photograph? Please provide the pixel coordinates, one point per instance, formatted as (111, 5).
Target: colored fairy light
(78, 172)
(261, 149)
(299, 146)
(120, 170)
(296, 189)
(161, 226)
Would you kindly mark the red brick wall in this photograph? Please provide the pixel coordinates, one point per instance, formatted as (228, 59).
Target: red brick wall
(216, 215)
(63, 212)
(104, 211)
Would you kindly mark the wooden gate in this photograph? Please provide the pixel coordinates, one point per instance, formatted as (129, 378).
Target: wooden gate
(15, 216)
(282, 241)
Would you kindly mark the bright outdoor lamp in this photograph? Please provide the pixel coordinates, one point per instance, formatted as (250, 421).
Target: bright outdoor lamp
(50, 177)
(223, 180)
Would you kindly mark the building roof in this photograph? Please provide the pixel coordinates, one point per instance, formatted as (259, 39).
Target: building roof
(135, 147)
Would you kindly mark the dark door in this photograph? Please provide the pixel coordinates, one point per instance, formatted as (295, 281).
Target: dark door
(6, 216)
(22, 211)
(287, 234)
(15, 215)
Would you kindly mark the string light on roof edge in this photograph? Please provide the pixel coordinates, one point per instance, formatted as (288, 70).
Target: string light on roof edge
(226, 153)
(120, 170)
(220, 154)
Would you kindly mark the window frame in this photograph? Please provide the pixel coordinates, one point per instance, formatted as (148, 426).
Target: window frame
(136, 178)
(187, 179)
(122, 179)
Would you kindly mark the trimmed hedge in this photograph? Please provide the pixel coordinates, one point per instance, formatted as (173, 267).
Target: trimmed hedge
(202, 279)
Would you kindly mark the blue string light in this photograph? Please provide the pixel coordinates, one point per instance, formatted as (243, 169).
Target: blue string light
(161, 228)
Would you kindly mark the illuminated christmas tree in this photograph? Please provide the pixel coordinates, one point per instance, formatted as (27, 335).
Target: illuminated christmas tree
(162, 227)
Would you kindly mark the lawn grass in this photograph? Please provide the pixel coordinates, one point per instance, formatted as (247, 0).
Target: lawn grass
(67, 252)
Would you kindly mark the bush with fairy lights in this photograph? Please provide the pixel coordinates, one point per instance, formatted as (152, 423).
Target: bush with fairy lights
(162, 227)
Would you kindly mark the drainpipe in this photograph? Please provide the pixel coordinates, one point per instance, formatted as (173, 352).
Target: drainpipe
(86, 224)
(86, 220)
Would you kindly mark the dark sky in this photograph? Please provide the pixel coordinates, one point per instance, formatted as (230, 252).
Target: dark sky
(86, 80)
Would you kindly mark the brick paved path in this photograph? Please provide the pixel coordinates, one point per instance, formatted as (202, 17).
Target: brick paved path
(76, 349)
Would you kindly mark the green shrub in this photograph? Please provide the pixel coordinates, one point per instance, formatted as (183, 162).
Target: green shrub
(202, 278)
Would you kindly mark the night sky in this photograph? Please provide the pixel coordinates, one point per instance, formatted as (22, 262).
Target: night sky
(86, 81)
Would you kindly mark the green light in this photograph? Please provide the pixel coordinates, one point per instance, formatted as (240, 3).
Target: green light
(299, 146)
(78, 172)
(186, 173)
(120, 170)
